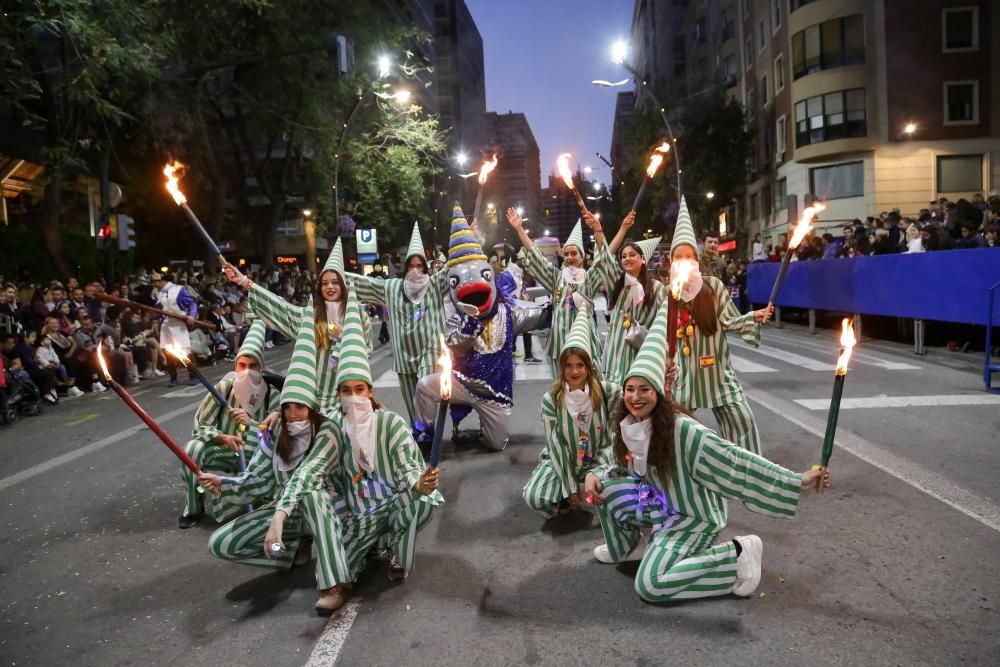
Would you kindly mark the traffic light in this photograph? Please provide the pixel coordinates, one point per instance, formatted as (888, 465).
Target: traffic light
(126, 232)
(103, 235)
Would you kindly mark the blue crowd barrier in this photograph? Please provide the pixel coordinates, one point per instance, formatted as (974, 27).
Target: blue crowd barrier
(947, 286)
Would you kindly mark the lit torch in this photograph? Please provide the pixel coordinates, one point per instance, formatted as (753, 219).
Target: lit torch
(847, 342)
(655, 160)
(145, 417)
(803, 227)
(562, 164)
(445, 393)
(484, 173)
(680, 277)
(173, 187)
(178, 353)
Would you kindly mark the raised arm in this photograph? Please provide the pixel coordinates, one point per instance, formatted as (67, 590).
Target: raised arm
(746, 326)
(595, 226)
(619, 238)
(514, 220)
(371, 290)
(275, 311)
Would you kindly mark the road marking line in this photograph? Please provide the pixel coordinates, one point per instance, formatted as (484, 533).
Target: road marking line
(526, 372)
(387, 379)
(331, 641)
(82, 419)
(187, 392)
(872, 360)
(788, 357)
(45, 466)
(860, 403)
(741, 365)
(981, 509)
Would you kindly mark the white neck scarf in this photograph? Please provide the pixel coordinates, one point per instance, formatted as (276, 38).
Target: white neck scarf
(301, 435)
(415, 285)
(579, 406)
(636, 437)
(694, 282)
(359, 420)
(250, 389)
(635, 291)
(573, 275)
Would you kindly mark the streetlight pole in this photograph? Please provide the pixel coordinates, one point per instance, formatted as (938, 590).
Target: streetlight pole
(336, 156)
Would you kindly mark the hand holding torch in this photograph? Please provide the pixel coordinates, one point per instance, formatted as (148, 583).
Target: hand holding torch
(847, 342)
(802, 228)
(445, 393)
(655, 160)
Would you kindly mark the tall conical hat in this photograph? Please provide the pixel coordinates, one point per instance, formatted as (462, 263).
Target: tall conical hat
(651, 361)
(353, 363)
(684, 231)
(416, 246)
(576, 237)
(253, 344)
(300, 382)
(648, 246)
(462, 244)
(335, 262)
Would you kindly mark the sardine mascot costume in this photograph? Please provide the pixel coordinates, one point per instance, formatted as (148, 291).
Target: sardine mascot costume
(480, 331)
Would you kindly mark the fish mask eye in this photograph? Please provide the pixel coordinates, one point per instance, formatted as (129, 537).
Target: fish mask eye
(487, 275)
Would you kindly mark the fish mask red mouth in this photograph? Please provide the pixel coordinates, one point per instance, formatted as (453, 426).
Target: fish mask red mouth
(479, 295)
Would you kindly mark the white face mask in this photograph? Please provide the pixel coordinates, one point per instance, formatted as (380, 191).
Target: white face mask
(250, 389)
(300, 433)
(359, 420)
(694, 282)
(636, 437)
(415, 285)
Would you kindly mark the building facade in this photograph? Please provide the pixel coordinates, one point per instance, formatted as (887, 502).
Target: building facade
(516, 182)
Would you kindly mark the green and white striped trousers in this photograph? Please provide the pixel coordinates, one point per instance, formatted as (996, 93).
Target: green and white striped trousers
(737, 425)
(215, 458)
(678, 564)
(394, 525)
(242, 539)
(543, 492)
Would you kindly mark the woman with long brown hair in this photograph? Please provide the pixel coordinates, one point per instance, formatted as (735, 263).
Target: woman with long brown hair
(705, 375)
(673, 475)
(329, 304)
(635, 296)
(576, 416)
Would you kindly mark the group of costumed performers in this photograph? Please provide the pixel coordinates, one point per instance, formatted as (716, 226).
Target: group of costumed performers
(327, 313)
(481, 327)
(345, 482)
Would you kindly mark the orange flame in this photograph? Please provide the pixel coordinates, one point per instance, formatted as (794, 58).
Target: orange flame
(173, 187)
(804, 225)
(656, 159)
(487, 167)
(177, 352)
(684, 268)
(847, 342)
(562, 164)
(100, 360)
(445, 362)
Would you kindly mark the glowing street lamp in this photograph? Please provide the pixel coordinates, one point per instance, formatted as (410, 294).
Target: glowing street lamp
(384, 64)
(461, 158)
(619, 51)
(909, 129)
(709, 195)
(520, 210)
(401, 97)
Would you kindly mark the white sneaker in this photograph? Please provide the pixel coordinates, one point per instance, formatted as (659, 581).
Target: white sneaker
(98, 387)
(268, 345)
(74, 392)
(748, 565)
(603, 554)
(158, 373)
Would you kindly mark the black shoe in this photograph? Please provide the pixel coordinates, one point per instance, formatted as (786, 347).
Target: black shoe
(188, 520)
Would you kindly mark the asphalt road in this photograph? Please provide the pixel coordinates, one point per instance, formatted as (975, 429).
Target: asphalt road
(897, 564)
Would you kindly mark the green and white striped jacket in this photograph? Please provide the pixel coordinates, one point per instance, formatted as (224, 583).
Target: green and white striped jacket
(710, 470)
(705, 377)
(563, 309)
(415, 330)
(618, 353)
(562, 442)
(285, 318)
(264, 481)
(210, 420)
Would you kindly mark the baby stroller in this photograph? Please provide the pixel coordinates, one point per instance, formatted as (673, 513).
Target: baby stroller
(15, 398)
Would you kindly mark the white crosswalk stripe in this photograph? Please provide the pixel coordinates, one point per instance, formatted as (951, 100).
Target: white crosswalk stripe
(743, 365)
(522, 373)
(824, 346)
(787, 357)
(869, 402)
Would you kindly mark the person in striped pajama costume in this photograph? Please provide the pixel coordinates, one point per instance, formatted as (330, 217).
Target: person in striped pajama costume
(218, 436)
(705, 377)
(296, 503)
(416, 316)
(576, 415)
(635, 296)
(389, 493)
(572, 287)
(673, 475)
(330, 299)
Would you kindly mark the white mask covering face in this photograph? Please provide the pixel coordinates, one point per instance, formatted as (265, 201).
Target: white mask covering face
(693, 284)
(573, 275)
(250, 389)
(636, 436)
(636, 292)
(415, 285)
(359, 420)
(301, 435)
(579, 406)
